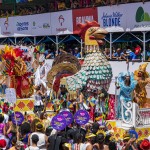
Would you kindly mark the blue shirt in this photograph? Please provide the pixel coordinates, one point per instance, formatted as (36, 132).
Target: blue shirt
(118, 54)
(46, 53)
(78, 55)
(131, 55)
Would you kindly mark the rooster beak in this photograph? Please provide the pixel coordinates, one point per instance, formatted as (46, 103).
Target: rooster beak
(99, 34)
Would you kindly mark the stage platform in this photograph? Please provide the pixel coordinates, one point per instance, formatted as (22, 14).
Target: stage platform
(119, 131)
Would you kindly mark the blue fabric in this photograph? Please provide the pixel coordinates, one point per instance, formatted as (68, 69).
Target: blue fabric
(78, 55)
(148, 53)
(118, 54)
(132, 55)
(46, 53)
(125, 91)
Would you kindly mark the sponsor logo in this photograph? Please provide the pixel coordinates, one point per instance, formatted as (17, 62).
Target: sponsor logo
(46, 25)
(141, 15)
(112, 19)
(61, 20)
(6, 24)
(82, 19)
(22, 26)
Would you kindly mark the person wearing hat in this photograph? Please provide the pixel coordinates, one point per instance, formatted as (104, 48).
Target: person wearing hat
(143, 79)
(35, 139)
(100, 139)
(90, 139)
(42, 137)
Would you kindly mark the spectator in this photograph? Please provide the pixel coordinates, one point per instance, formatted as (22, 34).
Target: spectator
(61, 5)
(137, 51)
(49, 54)
(75, 4)
(119, 55)
(77, 53)
(61, 50)
(35, 139)
(107, 53)
(41, 143)
(129, 54)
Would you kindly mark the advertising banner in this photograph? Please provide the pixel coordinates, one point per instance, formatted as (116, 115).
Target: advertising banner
(114, 18)
(22, 25)
(81, 15)
(6, 25)
(58, 122)
(40, 24)
(138, 17)
(62, 22)
(81, 117)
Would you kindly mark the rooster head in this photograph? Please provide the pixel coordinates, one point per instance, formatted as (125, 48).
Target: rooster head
(91, 33)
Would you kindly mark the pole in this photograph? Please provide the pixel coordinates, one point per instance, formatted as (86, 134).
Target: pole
(34, 40)
(144, 52)
(15, 40)
(57, 44)
(81, 43)
(110, 45)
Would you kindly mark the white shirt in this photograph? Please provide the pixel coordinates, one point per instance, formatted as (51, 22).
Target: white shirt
(32, 148)
(42, 139)
(6, 117)
(37, 100)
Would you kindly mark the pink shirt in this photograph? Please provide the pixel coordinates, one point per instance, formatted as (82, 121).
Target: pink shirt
(1, 127)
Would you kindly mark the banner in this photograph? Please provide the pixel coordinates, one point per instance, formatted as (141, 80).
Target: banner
(138, 17)
(6, 25)
(58, 122)
(81, 15)
(40, 24)
(68, 116)
(17, 117)
(61, 22)
(81, 117)
(114, 18)
(11, 95)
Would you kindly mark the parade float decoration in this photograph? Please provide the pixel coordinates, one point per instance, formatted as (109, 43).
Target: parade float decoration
(16, 72)
(143, 79)
(95, 71)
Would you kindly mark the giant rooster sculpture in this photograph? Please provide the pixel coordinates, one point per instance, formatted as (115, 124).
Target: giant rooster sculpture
(96, 70)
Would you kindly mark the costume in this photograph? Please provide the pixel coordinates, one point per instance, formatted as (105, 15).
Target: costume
(15, 69)
(142, 80)
(125, 95)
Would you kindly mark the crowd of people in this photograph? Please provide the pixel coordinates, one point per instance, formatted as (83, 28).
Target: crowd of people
(125, 54)
(50, 6)
(38, 134)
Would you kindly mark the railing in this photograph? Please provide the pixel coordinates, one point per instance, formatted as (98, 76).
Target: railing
(145, 116)
(133, 116)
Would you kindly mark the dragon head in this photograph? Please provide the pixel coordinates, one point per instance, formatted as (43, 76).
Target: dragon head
(91, 33)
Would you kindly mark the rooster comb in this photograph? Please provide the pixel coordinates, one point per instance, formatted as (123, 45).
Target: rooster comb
(84, 27)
